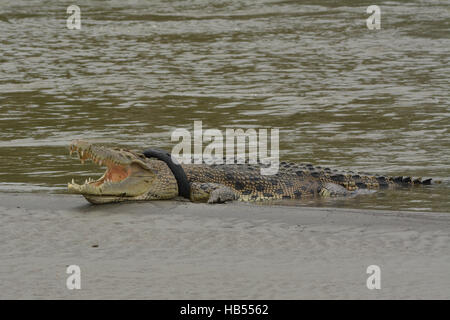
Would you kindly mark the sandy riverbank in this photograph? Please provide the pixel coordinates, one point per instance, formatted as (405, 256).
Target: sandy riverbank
(175, 249)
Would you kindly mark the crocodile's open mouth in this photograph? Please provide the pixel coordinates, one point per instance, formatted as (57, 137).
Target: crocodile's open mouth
(115, 171)
(126, 175)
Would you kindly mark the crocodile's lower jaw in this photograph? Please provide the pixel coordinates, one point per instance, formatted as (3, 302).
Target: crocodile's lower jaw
(111, 199)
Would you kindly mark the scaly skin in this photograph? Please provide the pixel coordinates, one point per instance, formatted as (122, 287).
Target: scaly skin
(133, 177)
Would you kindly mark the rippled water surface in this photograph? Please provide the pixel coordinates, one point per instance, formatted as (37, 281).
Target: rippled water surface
(341, 95)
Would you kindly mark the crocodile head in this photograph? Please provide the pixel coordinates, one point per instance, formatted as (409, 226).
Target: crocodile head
(128, 175)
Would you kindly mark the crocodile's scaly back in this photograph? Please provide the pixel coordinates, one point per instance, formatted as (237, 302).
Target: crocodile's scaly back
(293, 181)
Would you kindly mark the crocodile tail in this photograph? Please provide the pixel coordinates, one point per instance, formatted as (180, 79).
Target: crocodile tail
(407, 181)
(366, 181)
(384, 182)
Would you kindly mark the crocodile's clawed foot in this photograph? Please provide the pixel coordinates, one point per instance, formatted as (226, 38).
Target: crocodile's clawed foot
(211, 192)
(222, 195)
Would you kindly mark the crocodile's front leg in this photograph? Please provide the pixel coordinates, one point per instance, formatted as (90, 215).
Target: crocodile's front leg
(211, 193)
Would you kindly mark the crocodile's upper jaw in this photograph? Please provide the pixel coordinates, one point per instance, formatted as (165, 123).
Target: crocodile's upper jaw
(127, 177)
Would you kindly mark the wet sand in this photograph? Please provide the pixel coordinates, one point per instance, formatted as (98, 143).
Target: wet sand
(180, 250)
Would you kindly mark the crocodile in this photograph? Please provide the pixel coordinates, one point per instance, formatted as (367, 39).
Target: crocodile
(137, 176)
